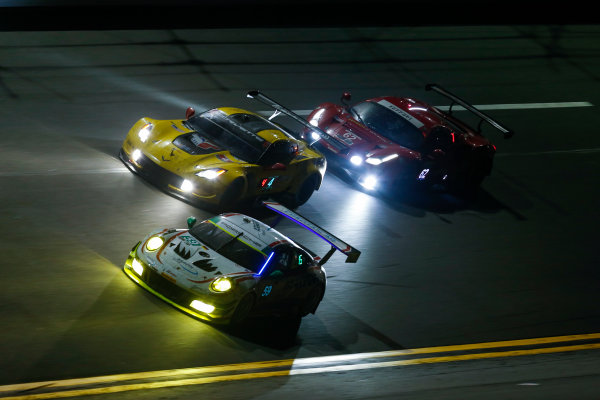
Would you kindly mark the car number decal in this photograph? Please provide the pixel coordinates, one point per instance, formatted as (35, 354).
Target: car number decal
(267, 291)
(190, 240)
(267, 183)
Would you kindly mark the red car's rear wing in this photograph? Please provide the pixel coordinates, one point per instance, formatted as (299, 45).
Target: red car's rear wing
(484, 117)
(336, 243)
(257, 95)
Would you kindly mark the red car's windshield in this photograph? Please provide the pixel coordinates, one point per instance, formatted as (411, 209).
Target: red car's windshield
(389, 124)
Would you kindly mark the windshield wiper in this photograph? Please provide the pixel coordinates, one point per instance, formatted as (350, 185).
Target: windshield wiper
(233, 239)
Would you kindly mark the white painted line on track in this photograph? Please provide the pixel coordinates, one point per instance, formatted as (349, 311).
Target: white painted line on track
(52, 172)
(522, 106)
(552, 152)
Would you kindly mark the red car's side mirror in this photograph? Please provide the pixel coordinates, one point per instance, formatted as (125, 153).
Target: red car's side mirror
(277, 166)
(189, 113)
(346, 97)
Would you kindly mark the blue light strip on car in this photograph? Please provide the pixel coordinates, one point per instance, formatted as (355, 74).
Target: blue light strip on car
(266, 262)
(351, 253)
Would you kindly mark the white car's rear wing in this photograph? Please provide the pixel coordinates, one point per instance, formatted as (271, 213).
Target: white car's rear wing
(336, 243)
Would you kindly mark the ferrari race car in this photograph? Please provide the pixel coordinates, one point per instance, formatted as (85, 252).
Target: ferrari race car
(387, 142)
(230, 267)
(222, 157)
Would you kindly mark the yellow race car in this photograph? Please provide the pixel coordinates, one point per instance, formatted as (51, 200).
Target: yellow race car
(223, 157)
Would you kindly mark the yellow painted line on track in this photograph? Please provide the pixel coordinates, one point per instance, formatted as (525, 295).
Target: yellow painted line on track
(291, 367)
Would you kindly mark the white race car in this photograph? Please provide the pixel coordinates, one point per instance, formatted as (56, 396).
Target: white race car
(232, 266)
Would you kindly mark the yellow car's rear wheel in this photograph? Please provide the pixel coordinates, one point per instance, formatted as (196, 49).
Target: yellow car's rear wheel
(306, 190)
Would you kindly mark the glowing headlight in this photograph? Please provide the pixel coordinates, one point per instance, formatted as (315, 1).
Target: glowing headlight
(369, 182)
(211, 173)
(314, 121)
(187, 186)
(356, 160)
(137, 267)
(377, 160)
(136, 154)
(315, 136)
(154, 243)
(200, 306)
(221, 284)
(145, 132)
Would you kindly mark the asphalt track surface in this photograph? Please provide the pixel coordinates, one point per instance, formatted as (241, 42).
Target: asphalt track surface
(519, 262)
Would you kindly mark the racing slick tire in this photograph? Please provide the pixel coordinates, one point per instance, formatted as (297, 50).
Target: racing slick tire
(307, 188)
(312, 301)
(242, 310)
(232, 195)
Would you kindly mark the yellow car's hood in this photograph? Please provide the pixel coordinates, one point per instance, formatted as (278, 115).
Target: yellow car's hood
(168, 143)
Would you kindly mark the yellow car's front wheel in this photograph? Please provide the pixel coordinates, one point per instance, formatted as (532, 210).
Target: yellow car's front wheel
(232, 195)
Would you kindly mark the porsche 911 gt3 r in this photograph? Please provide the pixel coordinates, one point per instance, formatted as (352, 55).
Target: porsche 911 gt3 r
(232, 266)
(387, 142)
(223, 156)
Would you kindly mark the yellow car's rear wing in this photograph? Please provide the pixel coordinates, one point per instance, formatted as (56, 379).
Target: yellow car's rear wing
(279, 109)
(336, 243)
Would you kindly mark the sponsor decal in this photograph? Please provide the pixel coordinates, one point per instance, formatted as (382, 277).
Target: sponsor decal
(401, 112)
(205, 264)
(224, 158)
(190, 241)
(202, 143)
(189, 268)
(182, 251)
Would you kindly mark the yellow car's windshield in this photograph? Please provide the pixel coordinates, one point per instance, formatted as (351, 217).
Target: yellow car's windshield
(236, 135)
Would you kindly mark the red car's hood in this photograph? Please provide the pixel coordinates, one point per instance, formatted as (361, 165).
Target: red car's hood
(364, 140)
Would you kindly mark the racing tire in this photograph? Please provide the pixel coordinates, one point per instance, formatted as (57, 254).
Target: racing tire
(307, 188)
(232, 195)
(242, 310)
(312, 301)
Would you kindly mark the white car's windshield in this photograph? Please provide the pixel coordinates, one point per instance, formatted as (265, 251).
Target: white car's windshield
(231, 247)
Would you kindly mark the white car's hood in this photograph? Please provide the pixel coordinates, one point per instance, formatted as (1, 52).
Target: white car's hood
(186, 261)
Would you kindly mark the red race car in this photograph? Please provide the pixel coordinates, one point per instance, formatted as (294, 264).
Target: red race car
(385, 142)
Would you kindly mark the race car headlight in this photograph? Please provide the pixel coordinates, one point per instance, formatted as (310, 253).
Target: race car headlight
(137, 266)
(136, 154)
(145, 132)
(380, 160)
(211, 174)
(314, 121)
(369, 182)
(201, 306)
(222, 284)
(187, 186)
(356, 160)
(154, 243)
